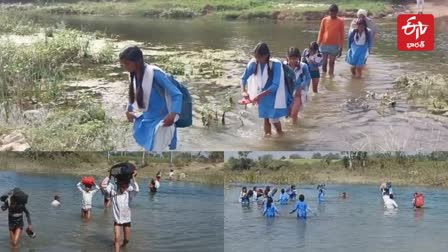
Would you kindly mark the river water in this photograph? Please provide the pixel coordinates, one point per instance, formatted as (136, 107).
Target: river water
(180, 217)
(358, 223)
(328, 121)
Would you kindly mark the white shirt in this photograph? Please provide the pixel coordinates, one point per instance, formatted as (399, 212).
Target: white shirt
(157, 184)
(390, 203)
(87, 196)
(121, 201)
(171, 174)
(55, 203)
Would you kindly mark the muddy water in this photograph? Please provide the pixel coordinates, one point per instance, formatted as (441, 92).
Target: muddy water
(331, 120)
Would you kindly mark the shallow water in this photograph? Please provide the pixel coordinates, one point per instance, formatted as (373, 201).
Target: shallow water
(326, 123)
(177, 218)
(356, 224)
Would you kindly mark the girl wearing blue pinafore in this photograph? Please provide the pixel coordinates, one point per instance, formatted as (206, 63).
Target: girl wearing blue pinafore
(301, 84)
(263, 83)
(161, 102)
(283, 198)
(359, 44)
(301, 208)
(269, 209)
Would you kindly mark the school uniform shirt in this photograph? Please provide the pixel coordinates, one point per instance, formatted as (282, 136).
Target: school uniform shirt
(283, 198)
(314, 61)
(161, 97)
(358, 47)
(273, 105)
(303, 78)
(86, 203)
(301, 209)
(121, 201)
(270, 211)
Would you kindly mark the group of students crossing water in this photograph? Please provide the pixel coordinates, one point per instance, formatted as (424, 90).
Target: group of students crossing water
(265, 201)
(280, 89)
(119, 189)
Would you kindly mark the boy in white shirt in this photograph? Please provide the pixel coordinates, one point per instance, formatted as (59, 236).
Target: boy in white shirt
(389, 202)
(56, 202)
(87, 195)
(121, 199)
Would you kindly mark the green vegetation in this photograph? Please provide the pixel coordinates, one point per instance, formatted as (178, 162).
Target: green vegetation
(230, 9)
(428, 90)
(351, 168)
(200, 167)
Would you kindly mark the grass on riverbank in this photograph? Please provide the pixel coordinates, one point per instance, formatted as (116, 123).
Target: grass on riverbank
(204, 171)
(230, 9)
(428, 90)
(376, 171)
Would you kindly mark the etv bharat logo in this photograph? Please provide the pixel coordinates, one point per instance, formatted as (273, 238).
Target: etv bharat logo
(415, 32)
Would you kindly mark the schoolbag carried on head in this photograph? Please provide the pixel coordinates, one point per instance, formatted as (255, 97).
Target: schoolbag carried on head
(19, 197)
(186, 114)
(122, 171)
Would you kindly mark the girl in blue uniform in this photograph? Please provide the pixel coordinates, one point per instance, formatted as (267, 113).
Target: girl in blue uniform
(283, 198)
(359, 44)
(321, 194)
(159, 100)
(313, 58)
(292, 192)
(301, 85)
(270, 210)
(263, 83)
(301, 208)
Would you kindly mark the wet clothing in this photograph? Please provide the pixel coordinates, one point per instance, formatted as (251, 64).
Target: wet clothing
(283, 199)
(390, 203)
(121, 201)
(273, 105)
(166, 98)
(359, 45)
(87, 196)
(55, 203)
(15, 217)
(331, 35)
(270, 211)
(301, 210)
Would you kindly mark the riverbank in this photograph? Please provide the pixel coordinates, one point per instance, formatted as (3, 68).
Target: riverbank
(98, 164)
(227, 9)
(411, 173)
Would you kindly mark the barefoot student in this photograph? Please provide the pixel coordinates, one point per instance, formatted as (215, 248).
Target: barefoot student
(359, 44)
(313, 58)
(331, 38)
(263, 83)
(15, 202)
(85, 187)
(127, 188)
(164, 104)
(301, 84)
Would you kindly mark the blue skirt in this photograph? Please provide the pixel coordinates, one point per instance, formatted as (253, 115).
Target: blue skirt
(357, 55)
(144, 129)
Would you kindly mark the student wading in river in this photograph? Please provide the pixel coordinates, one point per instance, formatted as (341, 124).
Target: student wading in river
(158, 104)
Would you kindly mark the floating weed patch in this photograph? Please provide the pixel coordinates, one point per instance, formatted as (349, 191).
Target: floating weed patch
(428, 90)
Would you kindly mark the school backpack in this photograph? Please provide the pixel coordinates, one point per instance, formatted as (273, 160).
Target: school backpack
(19, 197)
(186, 114)
(419, 200)
(290, 78)
(122, 171)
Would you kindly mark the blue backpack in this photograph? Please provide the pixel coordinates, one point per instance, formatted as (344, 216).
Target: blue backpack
(186, 113)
